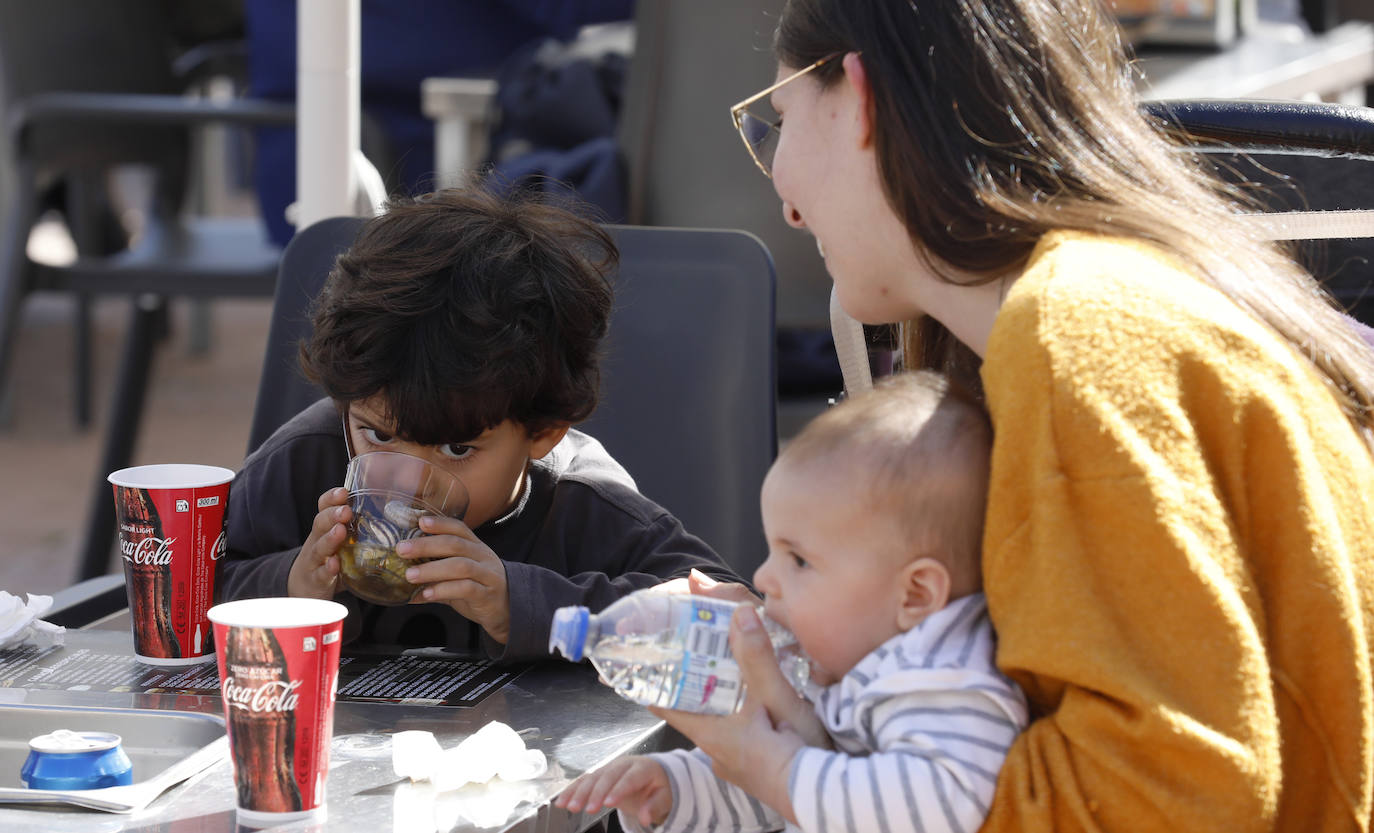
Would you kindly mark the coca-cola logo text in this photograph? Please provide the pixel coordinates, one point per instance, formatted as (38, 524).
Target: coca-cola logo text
(221, 545)
(157, 551)
(274, 696)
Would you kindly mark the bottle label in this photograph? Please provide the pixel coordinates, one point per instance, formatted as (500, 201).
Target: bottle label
(710, 681)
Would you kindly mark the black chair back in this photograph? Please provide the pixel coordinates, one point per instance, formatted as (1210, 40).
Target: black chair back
(689, 384)
(73, 46)
(283, 390)
(1304, 156)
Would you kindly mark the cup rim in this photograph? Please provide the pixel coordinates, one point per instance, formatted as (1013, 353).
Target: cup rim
(422, 461)
(425, 465)
(171, 476)
(276, 612)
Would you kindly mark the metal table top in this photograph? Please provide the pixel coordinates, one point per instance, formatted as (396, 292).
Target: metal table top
(559, 708)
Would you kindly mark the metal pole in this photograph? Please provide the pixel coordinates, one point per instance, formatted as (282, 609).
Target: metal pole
(126, 414)
(328, 108)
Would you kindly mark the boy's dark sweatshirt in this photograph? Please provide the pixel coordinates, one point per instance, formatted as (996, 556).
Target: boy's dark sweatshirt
(581, 534)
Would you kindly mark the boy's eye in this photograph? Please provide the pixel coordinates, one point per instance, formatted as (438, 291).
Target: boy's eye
(797, 560)
(456, 451)
(375, 437)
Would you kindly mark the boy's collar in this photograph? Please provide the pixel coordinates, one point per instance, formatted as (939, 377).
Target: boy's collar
(519, 503)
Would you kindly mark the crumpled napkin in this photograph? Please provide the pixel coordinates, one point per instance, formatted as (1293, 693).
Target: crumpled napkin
(19, 622)
(422, 808)
(484, 779)
(493, 750)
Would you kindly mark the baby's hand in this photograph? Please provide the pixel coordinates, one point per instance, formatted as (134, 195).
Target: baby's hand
(752, 649)
(637, 786)
(315, 572)
(745, 748)
(468, 576)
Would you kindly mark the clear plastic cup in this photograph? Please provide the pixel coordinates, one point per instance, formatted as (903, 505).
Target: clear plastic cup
(389, 493)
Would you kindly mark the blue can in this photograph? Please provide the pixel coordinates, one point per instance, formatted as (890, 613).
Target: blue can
(67, 760)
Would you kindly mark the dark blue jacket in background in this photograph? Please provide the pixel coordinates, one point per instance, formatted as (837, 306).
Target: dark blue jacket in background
(403, 42)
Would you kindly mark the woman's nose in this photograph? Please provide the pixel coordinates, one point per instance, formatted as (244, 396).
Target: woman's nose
(792, 215)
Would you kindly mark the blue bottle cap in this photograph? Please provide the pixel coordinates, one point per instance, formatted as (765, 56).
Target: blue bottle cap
(569, 631)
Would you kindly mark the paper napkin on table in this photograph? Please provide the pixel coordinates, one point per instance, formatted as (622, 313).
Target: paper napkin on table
(486, 779)
(19, 622)
(421, 808)
(495, 750)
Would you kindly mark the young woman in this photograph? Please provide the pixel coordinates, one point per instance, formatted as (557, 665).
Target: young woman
(1179, 553)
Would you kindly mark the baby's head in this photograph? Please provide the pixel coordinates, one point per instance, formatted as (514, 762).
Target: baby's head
(874, 517)
(465, 328)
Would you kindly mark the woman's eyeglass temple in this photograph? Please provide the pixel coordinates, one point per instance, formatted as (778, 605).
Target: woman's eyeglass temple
(760, 135)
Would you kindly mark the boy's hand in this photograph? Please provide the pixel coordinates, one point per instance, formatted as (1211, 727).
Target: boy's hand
(469, 577)
(700, 584)
(315, 572)
(636, 785)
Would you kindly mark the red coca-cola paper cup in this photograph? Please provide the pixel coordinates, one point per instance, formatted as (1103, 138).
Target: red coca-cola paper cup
(170, 520)
(278, 670)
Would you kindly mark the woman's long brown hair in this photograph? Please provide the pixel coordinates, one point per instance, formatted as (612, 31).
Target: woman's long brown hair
(997, 121)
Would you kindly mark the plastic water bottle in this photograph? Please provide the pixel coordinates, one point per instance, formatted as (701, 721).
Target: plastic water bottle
(669, 649)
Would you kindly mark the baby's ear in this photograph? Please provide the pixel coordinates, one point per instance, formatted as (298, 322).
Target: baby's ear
(924, 588)
(542, 442)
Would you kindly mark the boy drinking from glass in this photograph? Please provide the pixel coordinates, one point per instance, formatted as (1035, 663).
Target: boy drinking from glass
(874, 518)
(461, 328)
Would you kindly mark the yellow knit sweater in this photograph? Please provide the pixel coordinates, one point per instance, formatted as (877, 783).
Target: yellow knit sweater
(1179, 558)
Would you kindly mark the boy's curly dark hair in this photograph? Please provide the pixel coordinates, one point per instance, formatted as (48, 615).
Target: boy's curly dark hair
(462, 309)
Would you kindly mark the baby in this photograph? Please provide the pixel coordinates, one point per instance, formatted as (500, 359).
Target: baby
(874, 518)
